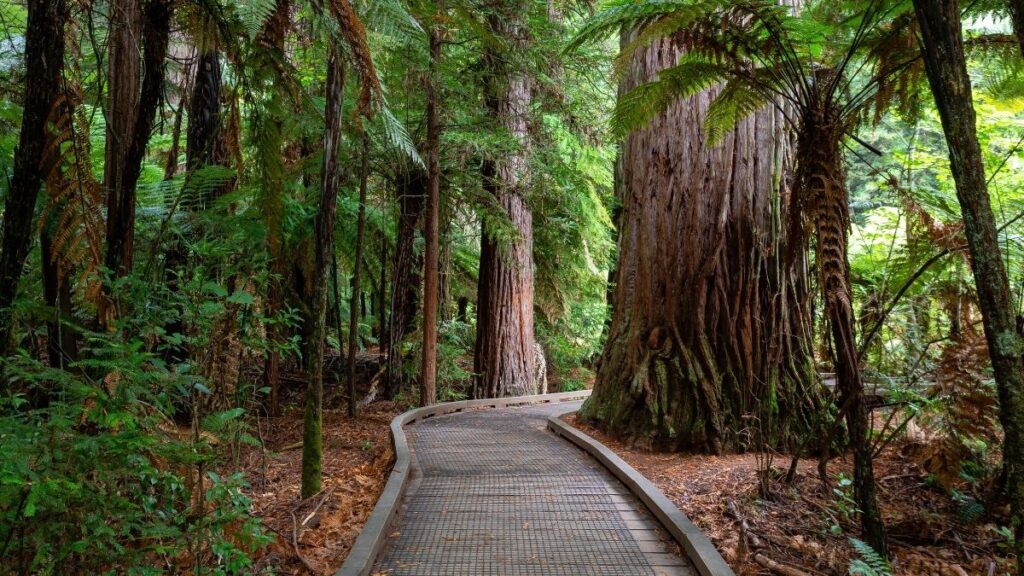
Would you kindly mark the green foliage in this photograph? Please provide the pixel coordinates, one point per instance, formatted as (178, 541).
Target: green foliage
(693, 74)
(96, 476)
(870, 562)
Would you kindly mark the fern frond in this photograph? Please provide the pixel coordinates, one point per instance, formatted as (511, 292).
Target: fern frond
(390, 17)
(353, 33)
(736, 101)
(393, 134)
(871, 562)
(254, 15)
(661, 28)
(642, 104)
(625, 14)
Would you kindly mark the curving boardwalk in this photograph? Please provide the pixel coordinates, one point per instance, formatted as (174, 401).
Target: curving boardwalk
(495, 493)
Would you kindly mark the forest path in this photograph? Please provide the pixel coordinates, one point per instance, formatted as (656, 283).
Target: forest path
(493, 492)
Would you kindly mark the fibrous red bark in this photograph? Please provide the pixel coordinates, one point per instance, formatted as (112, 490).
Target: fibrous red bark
(504, 359)
(711, 331)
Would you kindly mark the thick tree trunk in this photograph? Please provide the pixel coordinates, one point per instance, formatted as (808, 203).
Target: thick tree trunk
(431, 272)
(156, 26)
(405, 281)
(504, 361)
(312, 430)
(821, 180)
(357, 277)
(947, 73)
(710, 323)
(44, 57)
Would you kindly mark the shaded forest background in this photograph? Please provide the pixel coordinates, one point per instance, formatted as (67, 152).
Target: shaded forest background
(222, 216)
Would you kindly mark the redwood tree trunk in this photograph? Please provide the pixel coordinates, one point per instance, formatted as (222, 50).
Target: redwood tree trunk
(44, 57)
(431, 272)
(946, 67)
(504, 362)
(121, 199)
(710, 324)
(122, 114)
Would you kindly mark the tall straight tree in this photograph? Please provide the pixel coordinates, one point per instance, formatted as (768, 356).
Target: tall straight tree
(123, 89)
(357, 275)
(44, 58)
(352, 32)
(312, 437)
(410, 190)
(710, 323)
(271, 165)
(137, 117)
(946, 67)
(504, 362)
(431, 273)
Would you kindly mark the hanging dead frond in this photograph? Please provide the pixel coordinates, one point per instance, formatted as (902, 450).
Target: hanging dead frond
(73, 214)
(353, 33)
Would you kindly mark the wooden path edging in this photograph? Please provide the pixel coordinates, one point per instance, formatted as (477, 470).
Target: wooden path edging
(698, 548)
(371, 540)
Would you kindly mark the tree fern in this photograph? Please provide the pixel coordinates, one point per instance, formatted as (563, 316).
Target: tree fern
(389, 17)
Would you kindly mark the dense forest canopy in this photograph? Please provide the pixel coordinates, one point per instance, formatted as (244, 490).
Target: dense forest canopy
(736, 221)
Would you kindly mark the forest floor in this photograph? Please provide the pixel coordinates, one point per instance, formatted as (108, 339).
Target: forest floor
(314, 535)
(806, 526)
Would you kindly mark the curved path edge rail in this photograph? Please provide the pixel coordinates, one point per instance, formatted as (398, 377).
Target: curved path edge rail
(374, 534)
(698, 548)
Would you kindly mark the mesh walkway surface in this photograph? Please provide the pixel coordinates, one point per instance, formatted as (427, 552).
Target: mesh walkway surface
(495, 493)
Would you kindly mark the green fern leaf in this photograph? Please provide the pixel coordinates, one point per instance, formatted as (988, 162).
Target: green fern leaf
(871, 563)
(642, 104)
(734, 103)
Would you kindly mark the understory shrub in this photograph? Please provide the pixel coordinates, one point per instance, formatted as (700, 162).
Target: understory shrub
(96, 477)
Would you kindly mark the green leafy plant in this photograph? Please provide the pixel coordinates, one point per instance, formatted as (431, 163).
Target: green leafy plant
(870, 562)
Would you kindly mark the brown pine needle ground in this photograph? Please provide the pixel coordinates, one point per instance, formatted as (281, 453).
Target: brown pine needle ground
(315, 535)
(794, 528)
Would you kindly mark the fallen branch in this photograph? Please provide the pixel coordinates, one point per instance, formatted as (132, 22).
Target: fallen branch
(295, 544)
(781, 569)
(317, 507)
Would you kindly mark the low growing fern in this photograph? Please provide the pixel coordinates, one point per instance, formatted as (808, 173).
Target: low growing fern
(870, 563)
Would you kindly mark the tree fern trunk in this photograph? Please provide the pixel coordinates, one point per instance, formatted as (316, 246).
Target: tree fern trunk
(821, 180)
(44, 57)
(405, 279)
(312, 430)
(710, 324)
(946, 67)
(504, 359)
